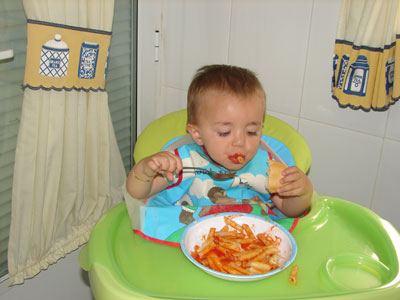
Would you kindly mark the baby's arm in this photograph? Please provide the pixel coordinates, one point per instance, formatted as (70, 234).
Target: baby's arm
(294, 197)
(147, 176)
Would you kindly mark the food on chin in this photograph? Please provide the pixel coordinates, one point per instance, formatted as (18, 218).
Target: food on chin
(274, 172)
(237, 158)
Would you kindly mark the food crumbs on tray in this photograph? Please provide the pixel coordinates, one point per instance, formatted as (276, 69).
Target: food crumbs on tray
(293, 275)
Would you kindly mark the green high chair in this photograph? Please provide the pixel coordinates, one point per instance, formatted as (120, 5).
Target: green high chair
(345, 251)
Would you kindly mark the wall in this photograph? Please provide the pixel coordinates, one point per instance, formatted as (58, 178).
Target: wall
(289, 44)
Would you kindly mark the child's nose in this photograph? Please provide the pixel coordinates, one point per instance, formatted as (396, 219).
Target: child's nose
(238, 139)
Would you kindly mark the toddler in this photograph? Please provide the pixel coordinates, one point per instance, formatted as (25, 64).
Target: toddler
(226, 109)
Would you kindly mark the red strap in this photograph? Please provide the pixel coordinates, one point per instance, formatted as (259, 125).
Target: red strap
(294, 224)
(178, 182)
(156, 240)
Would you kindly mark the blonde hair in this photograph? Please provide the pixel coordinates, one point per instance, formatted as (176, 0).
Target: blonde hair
(224, 78)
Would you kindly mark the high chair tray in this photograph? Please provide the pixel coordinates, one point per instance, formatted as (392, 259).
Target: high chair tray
(345, 251)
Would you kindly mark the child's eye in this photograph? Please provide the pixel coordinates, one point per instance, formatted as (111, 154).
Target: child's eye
(252, 132)
(223, 133)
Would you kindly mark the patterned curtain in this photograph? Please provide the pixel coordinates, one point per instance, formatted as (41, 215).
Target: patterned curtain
(367, 49)
(68, 169)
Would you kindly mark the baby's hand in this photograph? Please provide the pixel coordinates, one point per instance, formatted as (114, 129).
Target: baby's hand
(296, 183)
(164, 163)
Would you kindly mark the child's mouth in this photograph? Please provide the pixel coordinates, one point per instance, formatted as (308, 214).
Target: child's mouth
(237, 158)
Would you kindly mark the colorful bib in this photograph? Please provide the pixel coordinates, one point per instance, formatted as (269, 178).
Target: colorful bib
(193, 195)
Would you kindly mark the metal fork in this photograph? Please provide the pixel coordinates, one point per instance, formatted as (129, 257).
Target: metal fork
(211, 173)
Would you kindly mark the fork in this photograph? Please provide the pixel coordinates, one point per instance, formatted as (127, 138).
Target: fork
(211, 173)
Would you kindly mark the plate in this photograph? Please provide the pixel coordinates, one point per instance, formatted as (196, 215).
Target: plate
(196, 233)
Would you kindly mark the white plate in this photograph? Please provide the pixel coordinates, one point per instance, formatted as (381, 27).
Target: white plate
(196, 233)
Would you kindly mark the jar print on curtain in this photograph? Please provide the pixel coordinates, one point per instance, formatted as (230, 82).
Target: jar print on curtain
(344, 62)
(389, 75)
(357, 77)
(88, 60)
(334, 67)
(54, 58)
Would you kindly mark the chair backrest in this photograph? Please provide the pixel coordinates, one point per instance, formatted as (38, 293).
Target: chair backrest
(172, 125)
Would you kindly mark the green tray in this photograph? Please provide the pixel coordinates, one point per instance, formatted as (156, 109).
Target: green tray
(345, 251)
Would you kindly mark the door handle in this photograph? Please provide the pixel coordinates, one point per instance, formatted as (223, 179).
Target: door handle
(6, 55)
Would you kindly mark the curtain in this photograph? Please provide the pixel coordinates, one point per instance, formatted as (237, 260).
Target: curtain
(68, 169)
(367, 48)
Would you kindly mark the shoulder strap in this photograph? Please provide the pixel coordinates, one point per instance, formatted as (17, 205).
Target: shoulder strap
(274, 155)
(184, 140)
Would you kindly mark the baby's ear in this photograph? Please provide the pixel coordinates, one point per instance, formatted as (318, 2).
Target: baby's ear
(195, 133)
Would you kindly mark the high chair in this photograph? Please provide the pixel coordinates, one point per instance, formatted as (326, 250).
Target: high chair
(345, 251)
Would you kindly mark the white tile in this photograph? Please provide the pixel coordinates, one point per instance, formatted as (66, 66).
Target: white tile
(386, 201)
(344, 162)
(194, 33)
(174, 100)
(292, 121)
(317, 101)
(270, 38)
(393, 125)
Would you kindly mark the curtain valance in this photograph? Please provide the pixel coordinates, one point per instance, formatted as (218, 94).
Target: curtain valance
(65, 57)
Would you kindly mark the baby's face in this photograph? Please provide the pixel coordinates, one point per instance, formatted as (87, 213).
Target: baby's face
(229, 127)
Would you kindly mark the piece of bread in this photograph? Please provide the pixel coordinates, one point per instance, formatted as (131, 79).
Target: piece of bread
(274, 172)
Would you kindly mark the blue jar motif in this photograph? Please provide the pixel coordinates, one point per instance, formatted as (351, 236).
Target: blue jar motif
(88, 60)
(344, 62)
(335, 61)
(54, 58)
(389, 75)
(357, 77)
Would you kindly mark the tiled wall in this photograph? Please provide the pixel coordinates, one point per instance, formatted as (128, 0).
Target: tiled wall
(289, 44)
